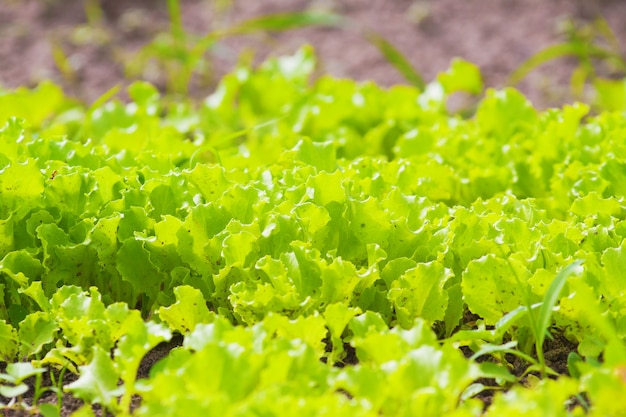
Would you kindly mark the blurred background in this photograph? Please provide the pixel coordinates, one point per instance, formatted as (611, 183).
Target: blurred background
(555, 51)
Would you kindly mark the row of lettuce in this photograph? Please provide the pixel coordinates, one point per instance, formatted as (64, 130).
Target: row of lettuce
(283, 220)
(273, 367)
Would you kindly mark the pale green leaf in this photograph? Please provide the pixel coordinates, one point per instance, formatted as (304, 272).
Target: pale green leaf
(189, 310)
(420, 292)
(492, 287)
(35, 331)
(97, 383)
(461, 76)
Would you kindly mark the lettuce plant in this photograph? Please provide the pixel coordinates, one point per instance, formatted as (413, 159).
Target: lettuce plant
(323, 247)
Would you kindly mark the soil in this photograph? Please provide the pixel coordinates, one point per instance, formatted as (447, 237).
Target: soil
(556, 351)
(70, 403)
(497, 35)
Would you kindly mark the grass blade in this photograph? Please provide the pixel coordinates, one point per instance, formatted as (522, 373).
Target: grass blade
(284, 21)
(62, 61)
(548, 54)
(583, 51)
(547, 307)
(176, 20)
(552, 297)
(603, 27)
(489, 348)
(511, 318)
(397, 59)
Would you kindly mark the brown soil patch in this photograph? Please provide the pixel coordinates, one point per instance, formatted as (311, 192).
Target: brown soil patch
(498, 35)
